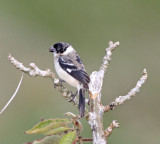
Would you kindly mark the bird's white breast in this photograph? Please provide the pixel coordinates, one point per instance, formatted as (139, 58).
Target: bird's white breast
(65, 76)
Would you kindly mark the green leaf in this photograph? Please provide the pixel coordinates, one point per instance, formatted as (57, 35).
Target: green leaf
(68, 138)
(61, 120)
(57, 130)
(47, 125)
(54, 139)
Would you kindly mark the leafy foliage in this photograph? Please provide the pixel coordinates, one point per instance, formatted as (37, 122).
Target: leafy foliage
(47, 125)
(58, 131)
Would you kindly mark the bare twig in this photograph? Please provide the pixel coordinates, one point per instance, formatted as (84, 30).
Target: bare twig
(13, 96)
(79, 139)
(121, 99)
(107, 57)
(109, 130)
(87, 139)
(35, 71)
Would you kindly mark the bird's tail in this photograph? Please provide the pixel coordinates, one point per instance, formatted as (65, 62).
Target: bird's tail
(82, 102)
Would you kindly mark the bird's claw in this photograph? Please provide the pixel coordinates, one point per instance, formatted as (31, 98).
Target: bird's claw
(73, 96)
(60, 82)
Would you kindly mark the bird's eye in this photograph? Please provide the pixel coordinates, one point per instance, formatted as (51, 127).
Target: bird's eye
(55, 45)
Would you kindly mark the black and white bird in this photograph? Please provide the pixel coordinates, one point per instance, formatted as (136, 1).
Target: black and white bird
(70, 68)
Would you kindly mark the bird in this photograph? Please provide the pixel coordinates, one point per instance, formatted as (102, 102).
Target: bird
(69, 68)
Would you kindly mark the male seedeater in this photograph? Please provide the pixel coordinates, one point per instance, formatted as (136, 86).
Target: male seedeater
(70, 68)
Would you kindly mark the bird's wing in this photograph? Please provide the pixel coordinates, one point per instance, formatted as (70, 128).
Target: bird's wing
(74, 70)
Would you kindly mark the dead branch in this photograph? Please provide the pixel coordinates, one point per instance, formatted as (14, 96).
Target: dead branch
(109, 130)
(121, 99)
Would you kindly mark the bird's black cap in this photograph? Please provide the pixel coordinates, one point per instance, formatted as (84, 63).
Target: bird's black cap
(59, 47)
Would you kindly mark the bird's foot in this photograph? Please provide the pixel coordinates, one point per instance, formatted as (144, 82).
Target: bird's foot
(60, 82)
(73, 96)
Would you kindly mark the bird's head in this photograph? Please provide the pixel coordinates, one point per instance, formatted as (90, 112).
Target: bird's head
(61, 48)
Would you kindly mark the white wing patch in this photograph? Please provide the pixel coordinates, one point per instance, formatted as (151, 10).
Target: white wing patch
(70, 64)
(69, 70)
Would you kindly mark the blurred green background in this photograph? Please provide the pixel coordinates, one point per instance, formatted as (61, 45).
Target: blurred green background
(28, 28)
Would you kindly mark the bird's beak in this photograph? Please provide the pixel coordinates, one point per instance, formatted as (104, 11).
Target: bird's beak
(51, 49)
